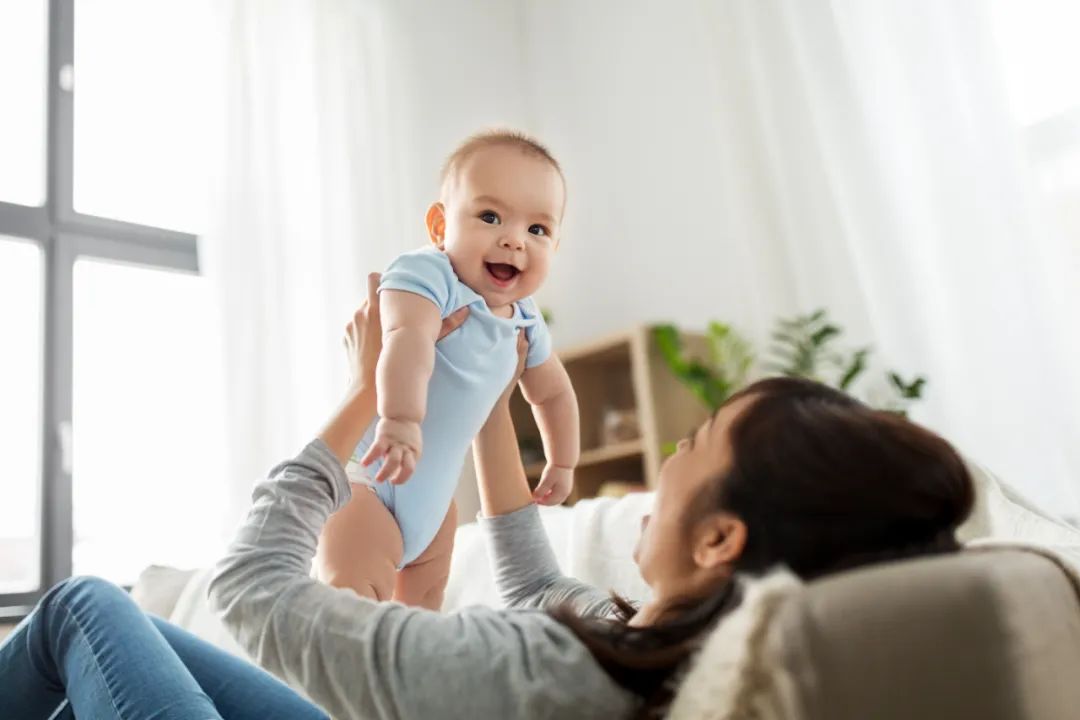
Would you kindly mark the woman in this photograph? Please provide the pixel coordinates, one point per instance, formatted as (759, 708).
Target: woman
(786, 472)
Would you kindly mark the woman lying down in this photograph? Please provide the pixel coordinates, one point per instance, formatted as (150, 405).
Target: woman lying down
(788, 472)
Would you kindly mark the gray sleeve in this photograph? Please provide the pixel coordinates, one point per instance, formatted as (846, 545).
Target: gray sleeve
(526, 571)
(362, 659)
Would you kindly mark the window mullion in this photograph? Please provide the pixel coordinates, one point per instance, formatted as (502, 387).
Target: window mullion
(56, 510)
(56, 505)
(61, 108)
(24, 222)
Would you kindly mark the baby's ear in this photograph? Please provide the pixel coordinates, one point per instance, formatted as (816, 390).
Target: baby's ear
(436, 224)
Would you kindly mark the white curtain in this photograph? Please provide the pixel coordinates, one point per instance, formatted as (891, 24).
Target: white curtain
(891, 173)
(305, 186)
(767, 157)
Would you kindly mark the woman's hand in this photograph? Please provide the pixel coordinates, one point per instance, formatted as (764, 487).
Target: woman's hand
(363, 343)
(363, 335)
(522, 351)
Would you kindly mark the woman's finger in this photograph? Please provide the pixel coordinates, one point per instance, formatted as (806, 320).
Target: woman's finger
(453, 321)
(522, 351)
(373, 280)
(359, 317)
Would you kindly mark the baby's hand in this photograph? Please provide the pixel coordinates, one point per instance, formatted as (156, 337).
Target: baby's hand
(555, 485)
(400, 442)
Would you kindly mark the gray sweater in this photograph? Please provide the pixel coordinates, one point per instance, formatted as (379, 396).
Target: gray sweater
(358, 658)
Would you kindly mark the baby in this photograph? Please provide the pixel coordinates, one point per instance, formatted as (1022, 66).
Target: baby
(494, 232)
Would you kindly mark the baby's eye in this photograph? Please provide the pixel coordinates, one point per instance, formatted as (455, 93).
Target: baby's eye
(538, 230)
(489, 217)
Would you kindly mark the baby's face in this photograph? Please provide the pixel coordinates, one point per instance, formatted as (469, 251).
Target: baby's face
(502, 222)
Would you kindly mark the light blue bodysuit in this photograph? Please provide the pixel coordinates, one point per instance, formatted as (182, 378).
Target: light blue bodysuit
(473, 365)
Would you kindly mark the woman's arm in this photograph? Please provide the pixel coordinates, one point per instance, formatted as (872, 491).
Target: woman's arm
(499, 472)
(526, 571)
(363, 345)
(358, 658)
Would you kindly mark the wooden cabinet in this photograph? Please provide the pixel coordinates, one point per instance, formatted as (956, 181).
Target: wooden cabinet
(617, 378)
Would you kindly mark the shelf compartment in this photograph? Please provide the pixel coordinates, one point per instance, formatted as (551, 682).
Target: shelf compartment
(597, 456)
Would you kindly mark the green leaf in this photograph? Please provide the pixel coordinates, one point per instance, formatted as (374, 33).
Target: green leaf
(719, 330)
(855, 368)
(711, 383)
(784, 337)
(823, 335)
(667, 342)
(908, 391)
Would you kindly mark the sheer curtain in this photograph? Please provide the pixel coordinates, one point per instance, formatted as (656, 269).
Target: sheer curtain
(305, 184)
(891, 172)
(767, 157)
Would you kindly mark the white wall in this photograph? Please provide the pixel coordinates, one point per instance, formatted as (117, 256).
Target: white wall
(628, 101)
(452, 68)
(619, 97)
(671, 213)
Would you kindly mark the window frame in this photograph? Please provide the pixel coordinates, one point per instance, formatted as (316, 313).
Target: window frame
(64, 236)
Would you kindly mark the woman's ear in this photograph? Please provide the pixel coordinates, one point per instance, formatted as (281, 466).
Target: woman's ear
(719, 541)
(436, 225)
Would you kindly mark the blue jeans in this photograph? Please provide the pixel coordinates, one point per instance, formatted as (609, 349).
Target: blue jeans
(87, 651)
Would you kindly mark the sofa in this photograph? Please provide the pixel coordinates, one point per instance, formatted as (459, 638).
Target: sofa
(991, 633)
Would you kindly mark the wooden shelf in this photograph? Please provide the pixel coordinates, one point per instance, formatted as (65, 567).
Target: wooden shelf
(620, 372)
(618, 451)
(597, 456)
(615, 346)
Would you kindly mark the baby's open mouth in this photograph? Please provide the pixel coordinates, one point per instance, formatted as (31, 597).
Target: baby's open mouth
(502, 272)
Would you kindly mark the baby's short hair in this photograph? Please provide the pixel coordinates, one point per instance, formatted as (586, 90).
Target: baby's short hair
(490, 138)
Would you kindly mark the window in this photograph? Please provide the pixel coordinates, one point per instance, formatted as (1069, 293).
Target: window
(21, 283)
(109, 374)
(146, 402)
(1040, 58)
(1037, 39)
(23, 41)
(146, 164)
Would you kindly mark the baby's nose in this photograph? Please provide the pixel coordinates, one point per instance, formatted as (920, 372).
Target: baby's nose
(512, 242)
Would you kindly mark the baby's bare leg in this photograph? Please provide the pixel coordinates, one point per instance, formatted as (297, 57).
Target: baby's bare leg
(423, 581)
(360, 547)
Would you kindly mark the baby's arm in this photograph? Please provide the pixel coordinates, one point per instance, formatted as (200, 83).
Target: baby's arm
(410, 328)
(547, 388)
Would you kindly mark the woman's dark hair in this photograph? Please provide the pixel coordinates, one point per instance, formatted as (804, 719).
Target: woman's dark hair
(824, 483)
